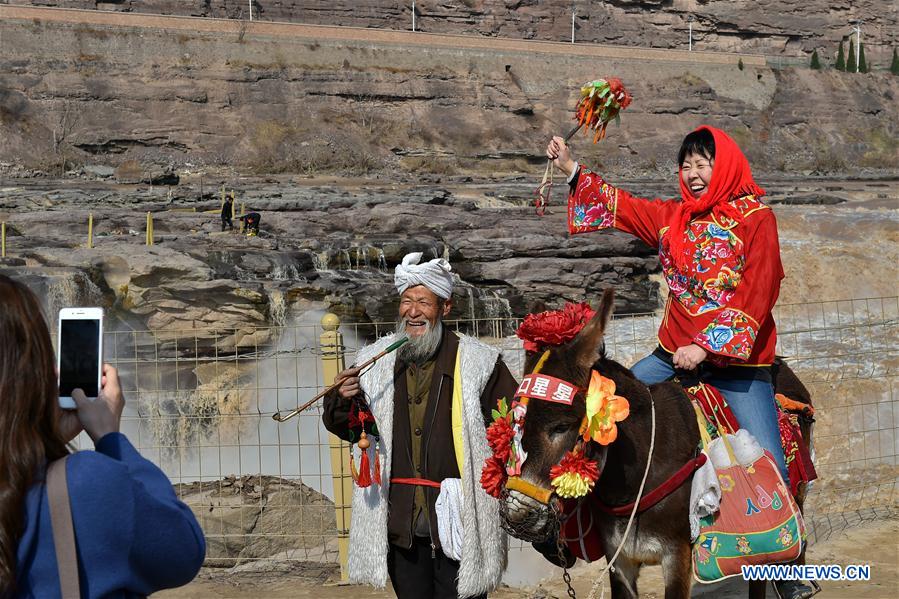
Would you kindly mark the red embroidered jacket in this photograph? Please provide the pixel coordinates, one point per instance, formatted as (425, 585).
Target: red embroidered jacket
(723, 301)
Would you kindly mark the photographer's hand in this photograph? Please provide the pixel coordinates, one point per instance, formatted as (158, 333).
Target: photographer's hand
(69, 425)
(102, 415)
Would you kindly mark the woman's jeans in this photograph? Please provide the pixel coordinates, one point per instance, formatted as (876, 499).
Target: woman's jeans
(748, 391)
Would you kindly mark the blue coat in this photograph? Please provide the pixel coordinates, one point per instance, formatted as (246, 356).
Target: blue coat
(133, 535)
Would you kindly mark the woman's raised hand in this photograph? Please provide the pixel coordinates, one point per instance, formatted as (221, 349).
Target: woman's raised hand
(558, 152)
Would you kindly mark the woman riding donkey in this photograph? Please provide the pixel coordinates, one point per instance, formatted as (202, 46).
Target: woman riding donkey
(719, 251)
(720, 256)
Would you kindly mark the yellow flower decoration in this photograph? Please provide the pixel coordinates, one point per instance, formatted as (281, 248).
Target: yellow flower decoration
(571, 484)
(604, 409)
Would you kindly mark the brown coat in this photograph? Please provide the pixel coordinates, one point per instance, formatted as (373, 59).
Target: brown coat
(439, 458)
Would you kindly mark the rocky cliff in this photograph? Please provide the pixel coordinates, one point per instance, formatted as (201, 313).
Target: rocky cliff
(777, 27)
(278, 98)
(190, 104)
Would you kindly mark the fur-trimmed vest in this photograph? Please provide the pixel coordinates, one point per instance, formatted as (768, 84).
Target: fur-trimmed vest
(484, 542)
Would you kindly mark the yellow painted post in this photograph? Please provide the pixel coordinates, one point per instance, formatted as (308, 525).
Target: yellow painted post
(90, 230)
(223, 195)
(3, 239)
(149, 228)
(331, 342)
(233, 207)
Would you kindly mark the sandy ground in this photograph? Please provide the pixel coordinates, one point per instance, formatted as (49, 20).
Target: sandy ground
(872, 543)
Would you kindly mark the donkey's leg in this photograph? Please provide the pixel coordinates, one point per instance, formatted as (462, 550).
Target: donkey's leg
(676, 562)
(623, 581)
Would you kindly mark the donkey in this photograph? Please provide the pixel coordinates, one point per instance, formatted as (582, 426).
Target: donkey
(659, 535)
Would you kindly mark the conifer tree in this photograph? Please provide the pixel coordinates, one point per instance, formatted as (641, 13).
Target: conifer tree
(816, 62)
(862, 63)
(841, 60)
(850, 62)
(894, 66)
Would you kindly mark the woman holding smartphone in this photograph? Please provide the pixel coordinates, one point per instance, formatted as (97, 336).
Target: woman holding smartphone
(132, 535)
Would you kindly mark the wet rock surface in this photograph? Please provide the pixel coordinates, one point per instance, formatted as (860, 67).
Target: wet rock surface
(332, 245)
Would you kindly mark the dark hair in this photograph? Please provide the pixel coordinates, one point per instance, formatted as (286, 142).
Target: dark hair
(699, 142)
(29, 414)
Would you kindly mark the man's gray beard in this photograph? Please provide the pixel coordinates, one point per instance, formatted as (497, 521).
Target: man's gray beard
(422, 348)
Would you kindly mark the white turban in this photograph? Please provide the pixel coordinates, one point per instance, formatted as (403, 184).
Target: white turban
(435, 275)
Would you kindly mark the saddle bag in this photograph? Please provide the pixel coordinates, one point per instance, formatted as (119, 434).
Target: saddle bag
(758, 521)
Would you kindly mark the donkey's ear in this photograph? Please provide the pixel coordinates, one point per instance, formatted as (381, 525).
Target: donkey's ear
(589, 340)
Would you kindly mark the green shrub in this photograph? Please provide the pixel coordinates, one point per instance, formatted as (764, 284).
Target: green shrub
(816, 63)
(841, 59)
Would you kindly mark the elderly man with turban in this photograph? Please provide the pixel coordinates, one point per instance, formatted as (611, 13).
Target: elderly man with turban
(429, 526)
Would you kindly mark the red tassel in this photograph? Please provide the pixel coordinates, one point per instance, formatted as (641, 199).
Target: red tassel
(364, 479)
(353, 472)
(377, 467)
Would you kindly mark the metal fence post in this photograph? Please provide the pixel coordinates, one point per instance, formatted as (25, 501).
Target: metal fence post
(331, 343)
(149, 228)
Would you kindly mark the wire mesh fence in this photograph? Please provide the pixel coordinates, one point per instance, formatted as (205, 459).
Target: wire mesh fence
(200, 403)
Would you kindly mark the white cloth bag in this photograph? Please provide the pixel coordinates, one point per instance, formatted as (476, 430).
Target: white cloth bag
(449, 517)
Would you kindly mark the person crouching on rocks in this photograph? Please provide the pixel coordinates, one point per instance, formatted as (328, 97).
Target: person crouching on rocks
(399, 528)
(251, 223)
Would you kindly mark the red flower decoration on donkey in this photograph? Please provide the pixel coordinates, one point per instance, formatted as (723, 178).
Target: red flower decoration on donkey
(554, 327)
(575, 475)
(493, 477)
(499, 437)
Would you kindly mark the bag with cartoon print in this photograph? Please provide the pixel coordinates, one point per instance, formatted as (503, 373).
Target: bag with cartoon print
(758, 521)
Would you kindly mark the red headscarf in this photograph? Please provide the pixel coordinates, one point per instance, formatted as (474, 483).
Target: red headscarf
(731, 178)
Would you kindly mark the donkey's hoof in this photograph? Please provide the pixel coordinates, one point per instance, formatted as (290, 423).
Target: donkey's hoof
(795, 589)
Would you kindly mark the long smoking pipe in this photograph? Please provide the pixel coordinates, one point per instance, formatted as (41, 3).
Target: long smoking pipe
(396, 344)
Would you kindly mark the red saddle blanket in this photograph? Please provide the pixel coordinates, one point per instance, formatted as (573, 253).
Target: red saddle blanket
(579, 530)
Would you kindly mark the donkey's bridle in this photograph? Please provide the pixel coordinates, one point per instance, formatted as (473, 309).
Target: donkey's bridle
(516, 483)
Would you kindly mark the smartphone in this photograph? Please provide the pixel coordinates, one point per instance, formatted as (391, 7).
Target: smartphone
(79, 360)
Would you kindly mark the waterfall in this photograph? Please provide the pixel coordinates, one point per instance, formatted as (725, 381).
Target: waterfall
(277, 308)
(355, 258)
(62, 292)
(382, 261)
(70, 290)
(320, 261)
(198, 435)
(285, 272)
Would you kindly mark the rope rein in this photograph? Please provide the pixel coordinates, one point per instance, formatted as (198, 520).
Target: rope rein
(599, 583)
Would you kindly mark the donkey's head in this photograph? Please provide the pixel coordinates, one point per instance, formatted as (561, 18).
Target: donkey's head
(552, 429)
